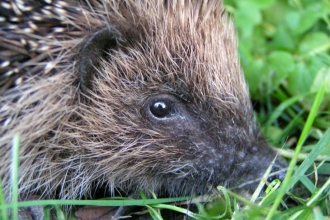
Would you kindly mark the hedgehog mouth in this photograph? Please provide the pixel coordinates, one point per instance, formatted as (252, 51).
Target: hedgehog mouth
(278, 171)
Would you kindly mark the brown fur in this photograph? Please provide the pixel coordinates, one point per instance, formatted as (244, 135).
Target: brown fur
(74, 142)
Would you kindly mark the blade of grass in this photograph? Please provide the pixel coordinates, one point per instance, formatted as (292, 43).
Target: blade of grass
(287, 180)
(314, 197)
(309, 160)
(307, 183)
(302, 156)
(177, 209)
(317, 213)
(323, 143)
(286, 131)
(262, 182)
(126, 202)
(14, 176)
(228, 203)
(154, 213)
(319, 192)
(2, 203)
(284, 105)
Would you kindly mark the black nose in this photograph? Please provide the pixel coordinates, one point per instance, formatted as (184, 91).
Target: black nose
(278, 170)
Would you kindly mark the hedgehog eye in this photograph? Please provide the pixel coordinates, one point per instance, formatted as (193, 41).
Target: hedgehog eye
(161, 109)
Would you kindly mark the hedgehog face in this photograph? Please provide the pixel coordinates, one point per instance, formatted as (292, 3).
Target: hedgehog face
(170, 102)
(168, 136)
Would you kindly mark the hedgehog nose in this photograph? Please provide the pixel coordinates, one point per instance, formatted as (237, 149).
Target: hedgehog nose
(278, 170)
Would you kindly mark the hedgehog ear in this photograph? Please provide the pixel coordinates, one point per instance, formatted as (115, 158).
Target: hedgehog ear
(93, 49)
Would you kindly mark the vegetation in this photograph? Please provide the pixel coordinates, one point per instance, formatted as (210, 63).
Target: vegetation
(284, 50)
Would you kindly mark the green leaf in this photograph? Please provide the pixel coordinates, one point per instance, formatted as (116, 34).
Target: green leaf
(310, 16)
(254, 76)
(292, 20)
(283, 40)
(261, 3)
(246, 19)
(312, 41)
(299, 80)
(282, 63)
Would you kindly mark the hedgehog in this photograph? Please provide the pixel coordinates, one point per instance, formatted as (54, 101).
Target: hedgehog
(125, 96)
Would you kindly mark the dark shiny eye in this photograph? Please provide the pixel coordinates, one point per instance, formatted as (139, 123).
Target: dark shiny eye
(161, 109)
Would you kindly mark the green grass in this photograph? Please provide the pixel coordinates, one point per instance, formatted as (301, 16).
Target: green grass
(284, 51)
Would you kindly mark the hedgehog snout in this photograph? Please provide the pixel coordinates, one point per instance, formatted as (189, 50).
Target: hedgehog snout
(278, 170)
